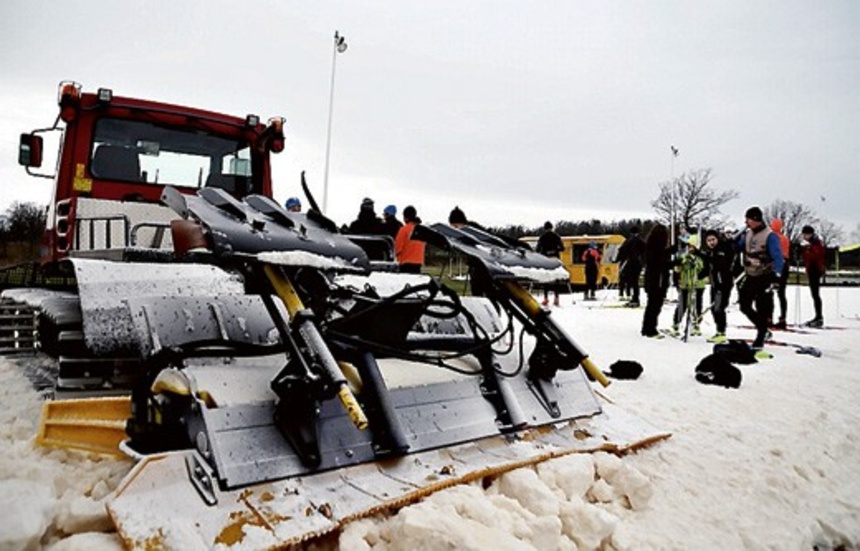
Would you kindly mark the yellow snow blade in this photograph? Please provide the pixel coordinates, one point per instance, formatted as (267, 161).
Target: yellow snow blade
(89, 424)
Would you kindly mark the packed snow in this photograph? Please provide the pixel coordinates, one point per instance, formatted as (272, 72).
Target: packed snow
(773, 464)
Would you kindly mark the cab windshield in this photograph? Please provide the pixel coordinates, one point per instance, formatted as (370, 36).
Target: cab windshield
(145, 153)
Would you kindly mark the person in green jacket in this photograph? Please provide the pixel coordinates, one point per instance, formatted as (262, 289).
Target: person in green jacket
(691, 282)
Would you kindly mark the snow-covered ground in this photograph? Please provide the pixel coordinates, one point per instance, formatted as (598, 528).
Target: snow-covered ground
(774, 464)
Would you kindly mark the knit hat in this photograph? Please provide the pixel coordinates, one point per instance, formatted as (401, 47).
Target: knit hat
(776, 224)
(754, 213)
(457, 216)
(367, 204)
(390, 210)
(808, 230)
(293, 202)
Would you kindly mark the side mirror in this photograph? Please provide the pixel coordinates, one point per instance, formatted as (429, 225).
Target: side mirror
(30, 151)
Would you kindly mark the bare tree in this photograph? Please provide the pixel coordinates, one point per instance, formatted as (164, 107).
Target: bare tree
(793, 215)
(831, 234)
(696, 201)
(855, 235)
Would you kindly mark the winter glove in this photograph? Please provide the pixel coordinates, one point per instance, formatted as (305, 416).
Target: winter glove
(774, 283)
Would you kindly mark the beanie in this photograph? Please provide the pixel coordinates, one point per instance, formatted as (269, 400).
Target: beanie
(754, 213)
(390, 210)
(293, 202)
(807, 230)
(457, 216)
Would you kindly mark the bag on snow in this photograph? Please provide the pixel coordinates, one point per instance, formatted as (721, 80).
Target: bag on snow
(736, 351)
(716, 370)
(625, 369)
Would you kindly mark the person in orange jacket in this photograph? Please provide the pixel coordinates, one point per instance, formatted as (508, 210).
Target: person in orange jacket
(409, 252)
(591, 259)
(782, 281)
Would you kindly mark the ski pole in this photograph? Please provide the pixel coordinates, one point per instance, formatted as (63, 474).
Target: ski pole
(797, 294)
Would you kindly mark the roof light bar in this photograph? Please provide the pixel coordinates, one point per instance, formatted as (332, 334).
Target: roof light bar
(105, 95)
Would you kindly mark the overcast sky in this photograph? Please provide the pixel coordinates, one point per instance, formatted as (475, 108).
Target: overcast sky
(518, 112)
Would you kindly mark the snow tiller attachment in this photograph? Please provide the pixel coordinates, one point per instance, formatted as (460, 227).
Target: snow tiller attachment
(358, 391)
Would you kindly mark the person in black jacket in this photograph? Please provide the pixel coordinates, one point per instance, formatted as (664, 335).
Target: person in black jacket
(658, 262)
(550, 244)
(720, 257)
(390, 222)
(630, 255)
(367, 222)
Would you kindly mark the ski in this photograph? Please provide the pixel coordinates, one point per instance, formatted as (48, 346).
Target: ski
(790, 329)
(679, 335)
(801, 329)
(813, 329)
(620, 305)
(799, 348)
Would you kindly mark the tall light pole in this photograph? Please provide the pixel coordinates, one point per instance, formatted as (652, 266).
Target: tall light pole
(674, 151)
(339, 48)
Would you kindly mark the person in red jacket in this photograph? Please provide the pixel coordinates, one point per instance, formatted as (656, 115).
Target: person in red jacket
(785, 245)
(815, 263)
(591, 259)
(410, 252)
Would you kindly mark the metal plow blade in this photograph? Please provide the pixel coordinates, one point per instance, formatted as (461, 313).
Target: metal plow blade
(160, 506)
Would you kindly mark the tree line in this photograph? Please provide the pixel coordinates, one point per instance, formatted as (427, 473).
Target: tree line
(694, 202)
(690, 199)
(21, 229)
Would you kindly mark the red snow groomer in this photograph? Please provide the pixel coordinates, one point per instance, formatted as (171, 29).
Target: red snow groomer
(281, 381)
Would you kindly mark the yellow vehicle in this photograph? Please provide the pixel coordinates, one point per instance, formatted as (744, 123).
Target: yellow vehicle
(571, 257)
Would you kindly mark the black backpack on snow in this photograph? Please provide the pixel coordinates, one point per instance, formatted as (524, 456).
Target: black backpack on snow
(736, 351)
(716, 370)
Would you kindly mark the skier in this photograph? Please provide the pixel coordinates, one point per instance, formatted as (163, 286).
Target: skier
(719, 259)
(814, 260)
(691, 270)
(591, 259)
(630, 255)
(785, 245)
(549, 244)
(763, 263)
(658, 260)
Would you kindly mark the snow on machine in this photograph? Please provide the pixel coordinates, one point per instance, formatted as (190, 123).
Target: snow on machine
(281, 383)
(343, 411)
